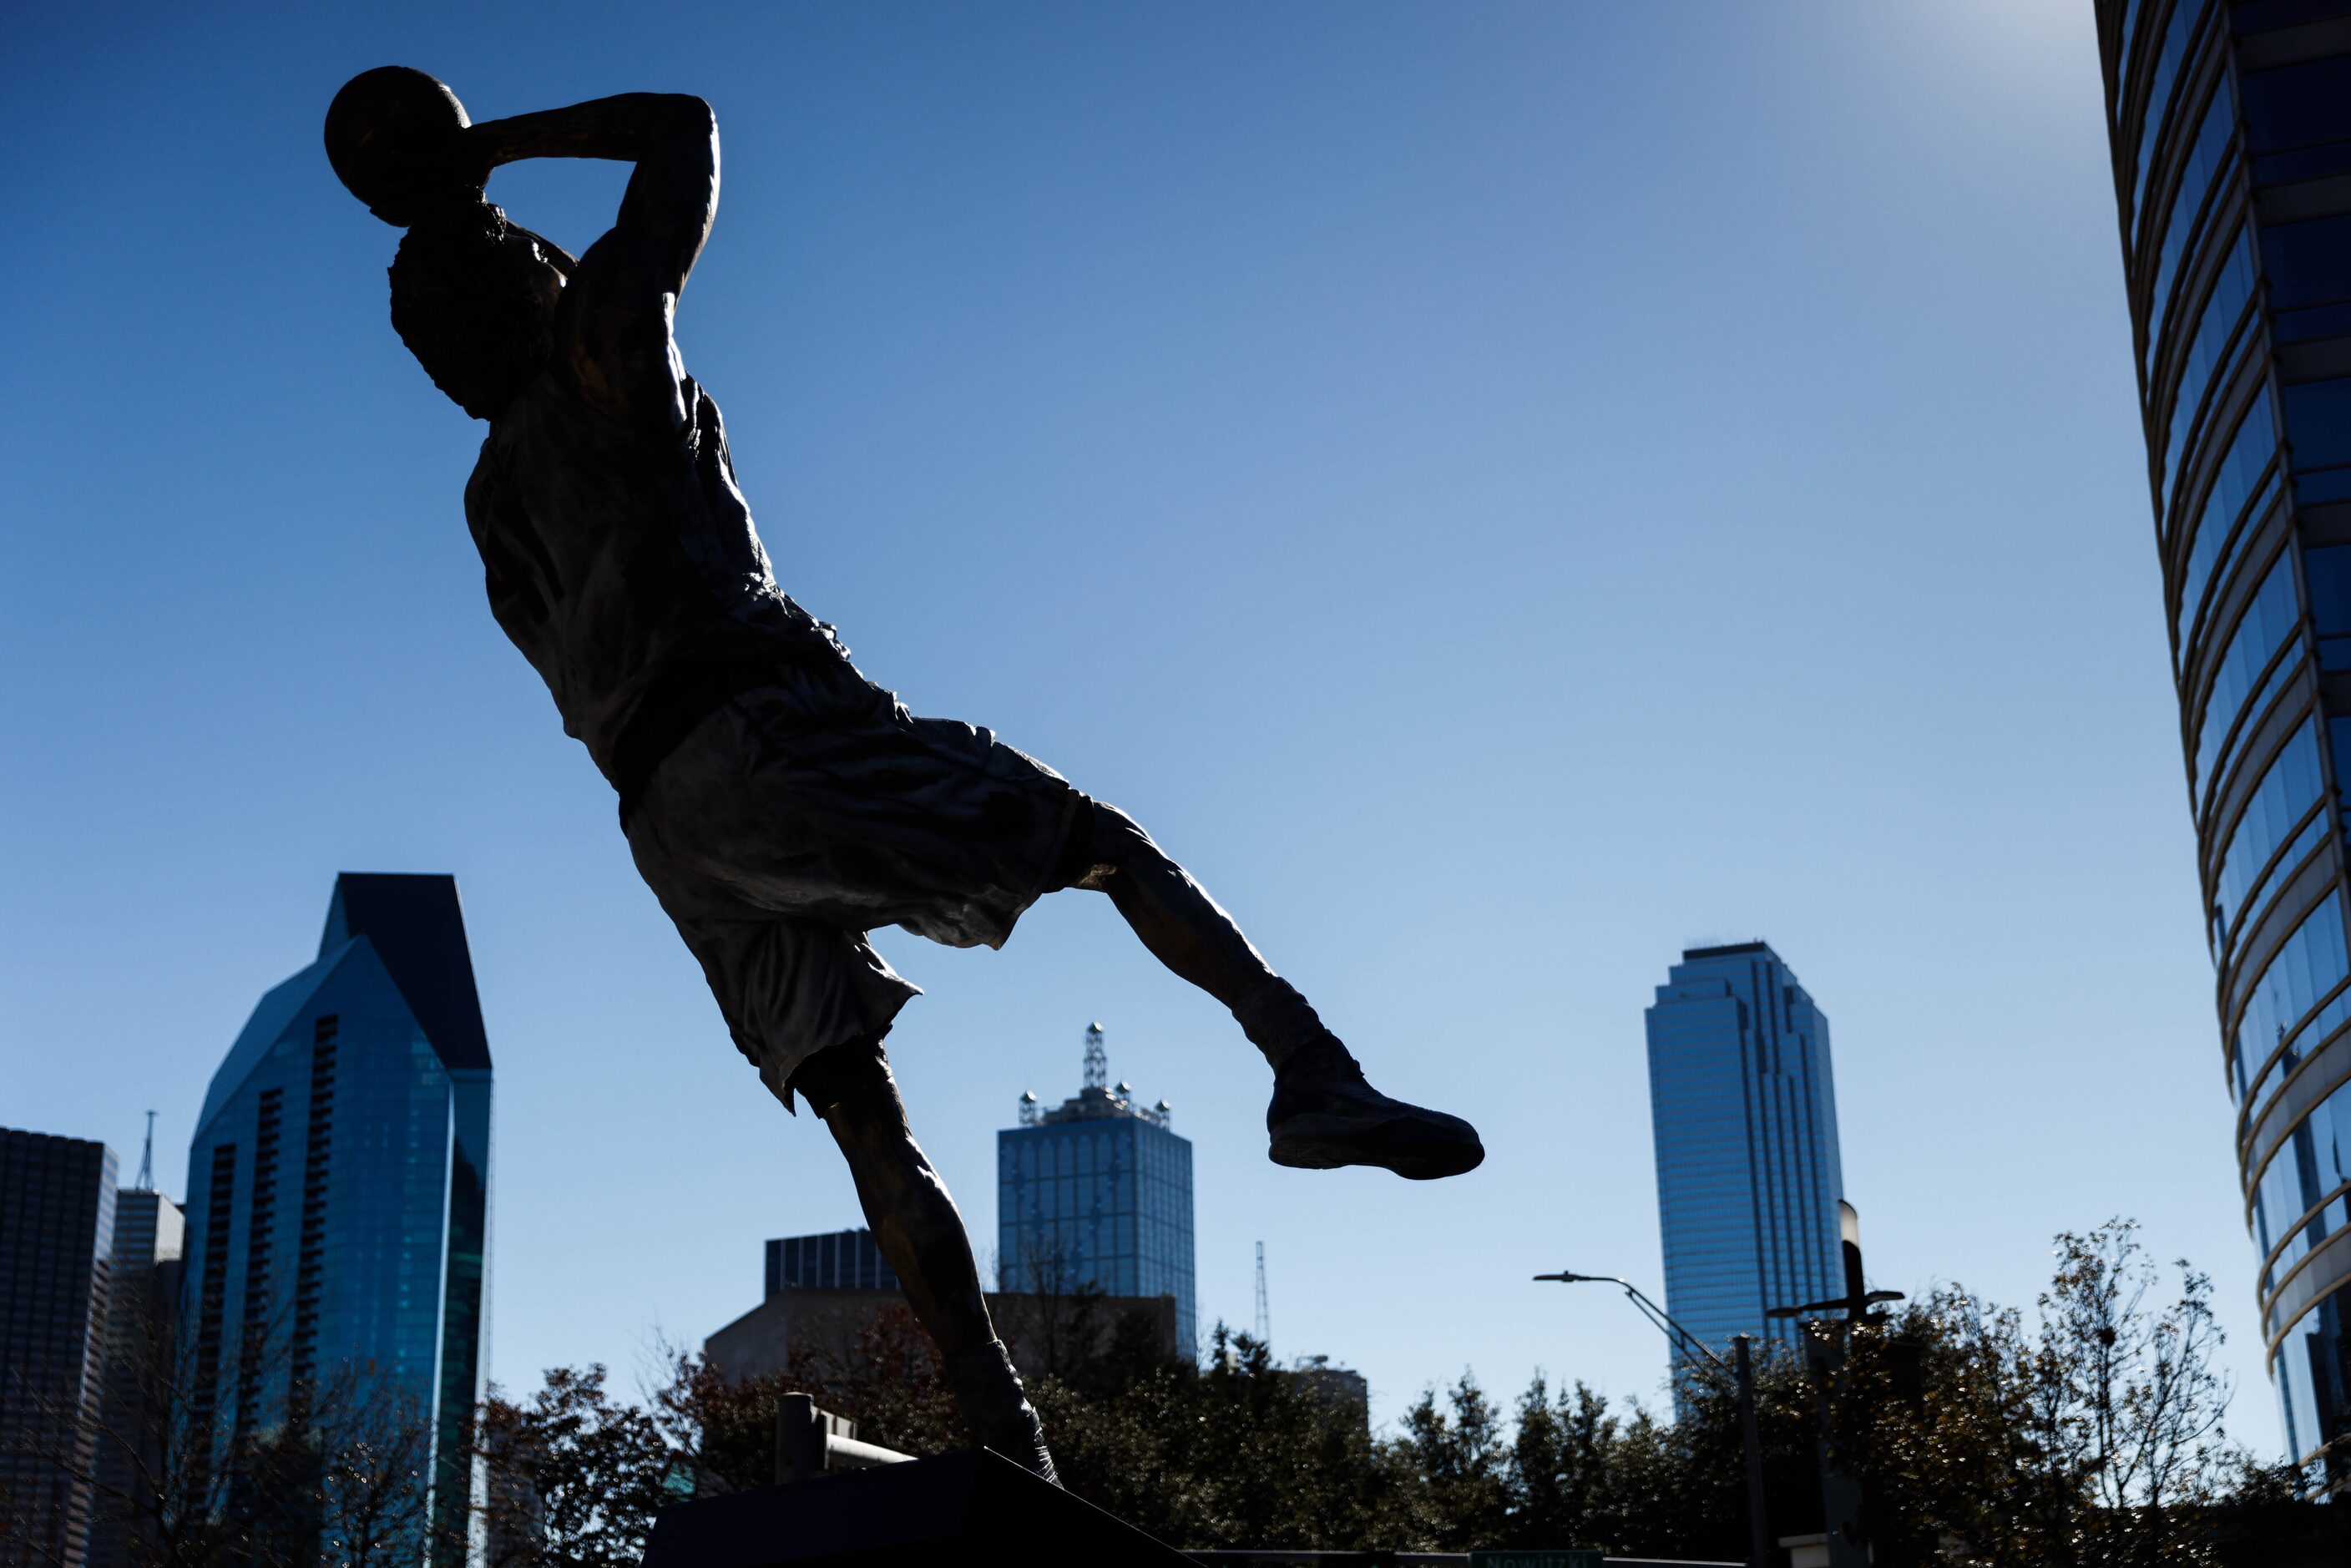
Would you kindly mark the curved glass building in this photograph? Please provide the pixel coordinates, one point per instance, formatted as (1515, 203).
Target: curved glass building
(2231, 128)
(338, 1189)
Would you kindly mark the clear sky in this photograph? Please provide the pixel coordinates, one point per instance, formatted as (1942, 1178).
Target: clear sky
(1502, 492)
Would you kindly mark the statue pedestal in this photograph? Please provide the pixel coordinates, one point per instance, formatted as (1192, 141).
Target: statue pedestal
(973, 1507)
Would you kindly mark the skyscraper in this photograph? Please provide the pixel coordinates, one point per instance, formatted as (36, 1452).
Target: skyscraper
(56, 1240)
(338, 1185)
(1743, 1108)
(1097, 1192)
(2230, 129)
(143, 1296)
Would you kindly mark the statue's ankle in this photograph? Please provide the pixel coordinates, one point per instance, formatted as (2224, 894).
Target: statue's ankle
(1282, 1025)
(1320, 1060)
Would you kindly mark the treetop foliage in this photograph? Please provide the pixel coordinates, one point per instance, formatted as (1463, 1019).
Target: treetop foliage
(2089, 1434)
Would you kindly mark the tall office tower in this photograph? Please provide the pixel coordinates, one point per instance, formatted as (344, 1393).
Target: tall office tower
(338, 1185)
(1743, 1108)
(2231, 128)
(1097, 1192)
(56, 1238)
(837, 1260)
(144, 1293)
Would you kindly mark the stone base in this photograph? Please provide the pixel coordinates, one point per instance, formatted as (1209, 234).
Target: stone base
(975, 1506)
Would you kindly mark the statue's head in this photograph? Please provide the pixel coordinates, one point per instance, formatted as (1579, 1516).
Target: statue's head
(472, 296)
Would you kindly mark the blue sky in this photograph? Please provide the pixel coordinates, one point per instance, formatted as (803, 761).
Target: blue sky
(1502, 492)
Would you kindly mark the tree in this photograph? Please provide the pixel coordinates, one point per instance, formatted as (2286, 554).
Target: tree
(1558, 1456)
(2091, 1435)
(1238, 1455)
(2094, 1437)
(1462, 1464)
(573, 1477)
(373, 1460)
(2088, 1437)
(893, 1385)
(333, 1472)
(1060, 1328)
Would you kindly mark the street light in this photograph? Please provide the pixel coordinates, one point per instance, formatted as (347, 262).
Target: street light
(1741, 1368)
(1842, 1504)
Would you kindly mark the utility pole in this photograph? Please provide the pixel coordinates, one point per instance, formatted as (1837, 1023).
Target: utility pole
(1825, 1350)
(1758, 1532)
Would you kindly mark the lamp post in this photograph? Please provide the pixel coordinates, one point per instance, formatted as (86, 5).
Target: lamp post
(1741, 1370)
(1841, 1492)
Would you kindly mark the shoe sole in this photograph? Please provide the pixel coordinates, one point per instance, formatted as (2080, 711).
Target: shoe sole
(1323, 1143)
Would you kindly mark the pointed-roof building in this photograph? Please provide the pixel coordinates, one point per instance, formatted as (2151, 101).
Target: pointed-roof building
(338, 1179)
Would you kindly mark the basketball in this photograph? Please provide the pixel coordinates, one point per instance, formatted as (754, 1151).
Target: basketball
(388, 136)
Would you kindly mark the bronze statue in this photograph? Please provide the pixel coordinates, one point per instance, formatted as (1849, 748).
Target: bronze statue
(779, 804)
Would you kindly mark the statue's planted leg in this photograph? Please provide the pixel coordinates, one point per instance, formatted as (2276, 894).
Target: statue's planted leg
(915, 1224)
(1324, 1113)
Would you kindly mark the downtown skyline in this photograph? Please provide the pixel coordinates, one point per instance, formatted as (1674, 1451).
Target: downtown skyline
(1368, 482)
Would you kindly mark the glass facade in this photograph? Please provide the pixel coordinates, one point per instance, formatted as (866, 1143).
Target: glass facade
(837, 1260)
(2231, 127)
(1743, 1109)
(337, 1183)
(1097, 1192)
(57, 1246)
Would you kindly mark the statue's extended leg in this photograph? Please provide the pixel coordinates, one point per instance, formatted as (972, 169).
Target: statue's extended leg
(1324, 1113)
(915, 1224)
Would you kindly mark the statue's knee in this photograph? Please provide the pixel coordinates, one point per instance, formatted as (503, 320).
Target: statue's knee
(848, 1085)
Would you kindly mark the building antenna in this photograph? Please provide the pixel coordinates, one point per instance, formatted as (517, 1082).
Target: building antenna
(147, 1158)
(1264, 1321)
(1097, 1059)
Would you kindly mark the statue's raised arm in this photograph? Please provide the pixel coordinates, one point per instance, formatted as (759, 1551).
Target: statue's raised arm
(613, 331)
(483, 301)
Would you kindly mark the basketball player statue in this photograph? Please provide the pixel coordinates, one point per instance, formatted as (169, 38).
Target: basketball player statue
(779, 804)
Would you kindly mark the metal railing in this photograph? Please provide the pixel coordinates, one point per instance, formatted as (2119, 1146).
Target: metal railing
(810, 1441)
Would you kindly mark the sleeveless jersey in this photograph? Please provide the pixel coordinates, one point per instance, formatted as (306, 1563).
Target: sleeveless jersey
(623, 562)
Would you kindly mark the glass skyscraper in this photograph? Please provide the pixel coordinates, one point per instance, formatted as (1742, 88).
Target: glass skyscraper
(338, 1185)
(57, 1245)
(1743, 1111)
(1097, 1192)
(2230, 129)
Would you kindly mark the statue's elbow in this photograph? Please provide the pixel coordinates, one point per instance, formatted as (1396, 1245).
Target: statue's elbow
(689, 117)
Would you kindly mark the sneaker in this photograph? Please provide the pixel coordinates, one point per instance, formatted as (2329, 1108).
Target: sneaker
(1324, 1116)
